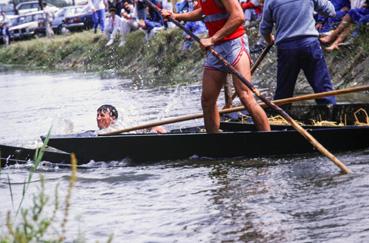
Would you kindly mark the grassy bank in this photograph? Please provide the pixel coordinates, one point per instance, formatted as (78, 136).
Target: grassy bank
(85, 51)
(161, 60)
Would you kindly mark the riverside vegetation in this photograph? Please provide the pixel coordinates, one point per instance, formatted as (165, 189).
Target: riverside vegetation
(35, 223)
(160, 61)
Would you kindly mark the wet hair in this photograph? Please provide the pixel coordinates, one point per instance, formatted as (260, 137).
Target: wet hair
(109, 108)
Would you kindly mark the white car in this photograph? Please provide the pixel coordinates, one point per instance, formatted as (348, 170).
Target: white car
(33, 6)
(25, 26)
(58, 22)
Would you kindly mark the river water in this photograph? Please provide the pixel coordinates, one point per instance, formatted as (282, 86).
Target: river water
(293, 199)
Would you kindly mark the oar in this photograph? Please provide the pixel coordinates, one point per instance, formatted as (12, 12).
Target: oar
(257, 63)
(239, 108)
(288, 118)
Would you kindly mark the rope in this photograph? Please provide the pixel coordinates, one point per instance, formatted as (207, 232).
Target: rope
(365, 114)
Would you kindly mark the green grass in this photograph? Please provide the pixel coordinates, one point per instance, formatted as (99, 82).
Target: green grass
(159, 61)
(160, 57)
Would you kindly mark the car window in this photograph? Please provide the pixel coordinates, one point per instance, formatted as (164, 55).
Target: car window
(79, 10)
(69, 12)
(24, 6)
(14, 21)
(28, 18)
(61, 13)
(21, 20)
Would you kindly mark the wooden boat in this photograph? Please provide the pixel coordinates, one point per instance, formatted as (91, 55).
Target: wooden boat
(12, 155)
(237, 139)
(172, 146)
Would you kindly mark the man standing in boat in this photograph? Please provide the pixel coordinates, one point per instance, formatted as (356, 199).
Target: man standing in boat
(298, 44)
(224, 20)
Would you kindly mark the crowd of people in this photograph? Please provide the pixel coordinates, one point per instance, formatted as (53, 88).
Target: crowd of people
(130, 15)
(124, 16)
(135, 14)
(357, 15)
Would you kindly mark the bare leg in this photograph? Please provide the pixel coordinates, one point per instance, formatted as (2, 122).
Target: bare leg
(212, 83)
(247, 97)
(346, 20)
(341, 38)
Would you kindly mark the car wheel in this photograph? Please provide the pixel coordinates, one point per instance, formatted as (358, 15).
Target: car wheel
(59, 29)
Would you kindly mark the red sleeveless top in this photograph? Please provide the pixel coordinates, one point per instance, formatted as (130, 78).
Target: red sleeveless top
(215, 18)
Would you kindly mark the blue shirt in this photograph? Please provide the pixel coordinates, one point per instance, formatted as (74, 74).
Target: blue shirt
(340, 4)
(293, 18)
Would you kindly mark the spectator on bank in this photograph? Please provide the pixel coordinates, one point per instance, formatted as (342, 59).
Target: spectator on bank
(129, 21)
(141, 9)
(4, 25)
(185, 6)
(253, 10)
(49, 16)
(129, 14)
(153, 23)
(114, 28)
(196, 27)
(326, 24)
(98, 13)
(357, 16)
(119, 5)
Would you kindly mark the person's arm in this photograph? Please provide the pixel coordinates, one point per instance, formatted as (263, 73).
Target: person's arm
(236, 18)
(194, 15)
(266, 25)
(324, 7)
(158, 129)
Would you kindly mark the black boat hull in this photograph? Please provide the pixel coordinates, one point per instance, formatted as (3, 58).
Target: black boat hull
(11, 155)
(154, 147)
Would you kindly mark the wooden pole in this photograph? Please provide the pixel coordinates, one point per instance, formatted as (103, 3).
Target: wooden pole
(289, 119)
(240, 108)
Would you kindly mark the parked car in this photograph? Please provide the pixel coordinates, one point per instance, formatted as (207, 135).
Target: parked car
(61, 14)
(33, 6)
(79, 20)
(8, 9)
(27, 25)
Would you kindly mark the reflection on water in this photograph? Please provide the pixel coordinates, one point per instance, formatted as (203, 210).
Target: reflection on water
(300, 198)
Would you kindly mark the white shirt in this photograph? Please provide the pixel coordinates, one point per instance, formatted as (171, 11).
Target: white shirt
(96, 4)
(114, 24)
(357, 3)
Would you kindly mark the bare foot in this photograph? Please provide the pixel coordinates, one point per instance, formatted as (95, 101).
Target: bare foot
(332, 47)
(325, 39)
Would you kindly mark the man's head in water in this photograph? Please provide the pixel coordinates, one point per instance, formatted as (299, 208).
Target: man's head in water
(106, 115)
